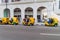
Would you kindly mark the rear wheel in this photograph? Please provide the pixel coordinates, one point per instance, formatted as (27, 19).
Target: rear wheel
(0, 21)
(55, 24)
(31, 24)
(14, 23)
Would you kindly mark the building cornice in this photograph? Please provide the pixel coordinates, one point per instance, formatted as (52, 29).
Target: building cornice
(15, 3)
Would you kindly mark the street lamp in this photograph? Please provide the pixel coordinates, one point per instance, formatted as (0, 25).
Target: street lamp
(6, 8)
(6, 3)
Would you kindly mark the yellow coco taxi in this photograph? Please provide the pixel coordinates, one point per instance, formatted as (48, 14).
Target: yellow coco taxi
(14, 21)
(5, 20)
(51, 22)
(28, 21)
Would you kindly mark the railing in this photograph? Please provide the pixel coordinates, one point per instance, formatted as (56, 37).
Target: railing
(22, 1)
(34, 1)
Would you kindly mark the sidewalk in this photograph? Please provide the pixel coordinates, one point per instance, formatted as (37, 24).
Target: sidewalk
(42, 24)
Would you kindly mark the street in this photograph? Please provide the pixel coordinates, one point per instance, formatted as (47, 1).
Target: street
(20, 32)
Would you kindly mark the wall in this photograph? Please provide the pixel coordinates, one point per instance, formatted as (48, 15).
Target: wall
(23, 6)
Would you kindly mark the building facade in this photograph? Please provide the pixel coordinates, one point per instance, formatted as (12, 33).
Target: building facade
(23, 8)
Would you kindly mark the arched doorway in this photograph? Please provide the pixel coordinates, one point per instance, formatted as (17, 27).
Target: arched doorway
(28, 12)
(7, 13)
(40, 13)
(17, 13)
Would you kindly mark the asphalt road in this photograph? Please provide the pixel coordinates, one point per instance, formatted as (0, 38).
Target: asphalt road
(19, 32)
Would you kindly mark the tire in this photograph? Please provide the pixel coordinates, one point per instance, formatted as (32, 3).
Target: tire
(55, 24)
(14, 23)
(45, 25)
(31, 24)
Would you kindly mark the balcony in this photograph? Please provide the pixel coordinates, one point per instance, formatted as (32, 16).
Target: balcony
(17, 2)
(44, 0)
(31, 1)
(22, 1)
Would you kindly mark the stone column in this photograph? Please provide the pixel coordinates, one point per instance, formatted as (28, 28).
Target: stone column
(22, 14)
(35, 15)
(1, 13)
(0, 1)
(41, 16)
(11, 13)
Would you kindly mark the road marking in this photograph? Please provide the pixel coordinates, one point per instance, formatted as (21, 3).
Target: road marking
(49, 34)
(45, 27)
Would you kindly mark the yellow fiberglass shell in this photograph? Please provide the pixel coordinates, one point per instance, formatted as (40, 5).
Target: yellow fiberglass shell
(5, 20)
(46, 23)
(55, 21)
(15, 19)
(32, 20)
(23, 22)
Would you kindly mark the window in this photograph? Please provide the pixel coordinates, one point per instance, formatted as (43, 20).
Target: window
(12, 0)
(59, 4)
(4, 1)
(15, 0)
(17, 10)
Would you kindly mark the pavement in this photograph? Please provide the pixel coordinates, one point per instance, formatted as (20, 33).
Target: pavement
(37, 32)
